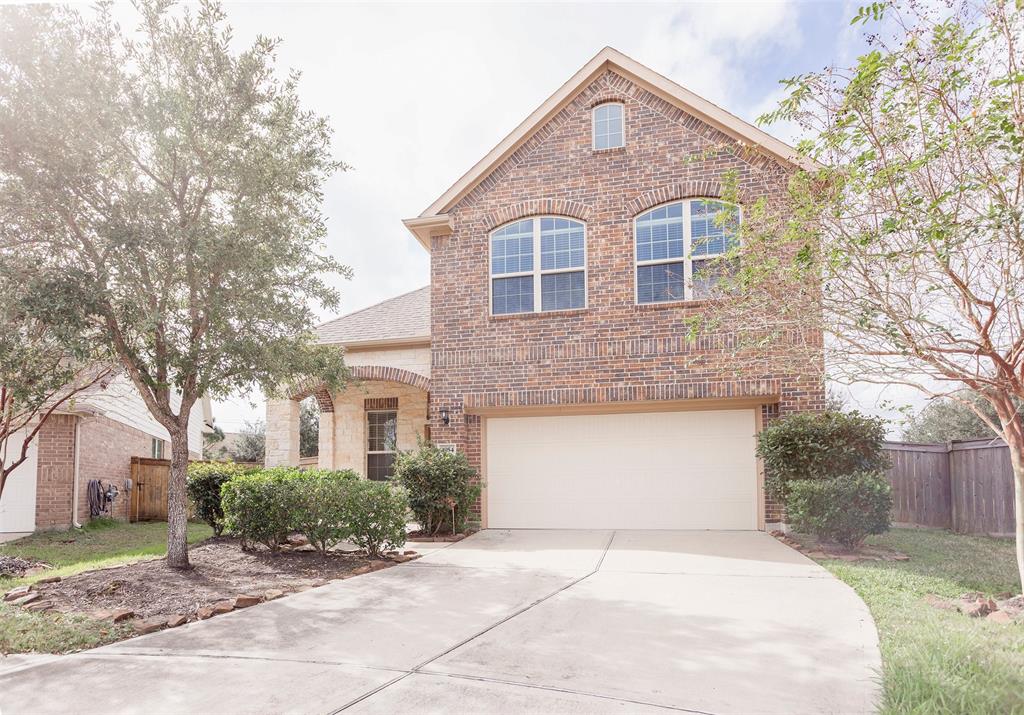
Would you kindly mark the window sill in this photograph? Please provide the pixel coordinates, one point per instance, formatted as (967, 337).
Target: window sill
(668, 305)
(609, 150)
(542, 314)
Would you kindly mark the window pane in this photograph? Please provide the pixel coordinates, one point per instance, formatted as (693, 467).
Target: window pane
(382, 431)
(659, 234)
(512, 248)
(380, 467)
(561, 244)
(512, 295)
(660, 283)
(608, 131)
(563, 291)
(713, 226)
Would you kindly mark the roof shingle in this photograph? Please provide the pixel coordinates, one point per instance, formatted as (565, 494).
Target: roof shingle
(404, 316)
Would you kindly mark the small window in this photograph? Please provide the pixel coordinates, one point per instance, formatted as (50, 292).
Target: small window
(381, 443)
(522, 284)
(157, 448)
(608, 126)
(676, 246)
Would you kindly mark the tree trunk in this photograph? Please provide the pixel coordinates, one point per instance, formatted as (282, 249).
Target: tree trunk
(177, 513)
(1016, 444)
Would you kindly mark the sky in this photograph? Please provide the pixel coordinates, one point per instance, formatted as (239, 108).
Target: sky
(417, 93)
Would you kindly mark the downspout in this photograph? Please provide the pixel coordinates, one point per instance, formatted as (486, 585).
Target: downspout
(74, 489)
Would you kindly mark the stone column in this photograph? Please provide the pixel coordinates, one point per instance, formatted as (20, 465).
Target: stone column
(282, 433)
(325, 441)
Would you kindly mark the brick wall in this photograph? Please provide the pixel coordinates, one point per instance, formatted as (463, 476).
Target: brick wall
(56, 469)
(106, 450)
(614, 350)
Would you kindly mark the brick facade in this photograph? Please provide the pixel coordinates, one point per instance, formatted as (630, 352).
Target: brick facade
(56, 471)
(613, 350)
(107, 447)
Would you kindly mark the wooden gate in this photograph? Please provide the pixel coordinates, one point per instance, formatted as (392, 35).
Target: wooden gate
(150, 478)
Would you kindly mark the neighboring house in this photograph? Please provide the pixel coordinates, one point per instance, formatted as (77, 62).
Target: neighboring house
(552, 346)
(92, 437)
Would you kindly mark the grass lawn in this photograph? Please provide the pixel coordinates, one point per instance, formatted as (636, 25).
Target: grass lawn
(935, 661)
(98, 545)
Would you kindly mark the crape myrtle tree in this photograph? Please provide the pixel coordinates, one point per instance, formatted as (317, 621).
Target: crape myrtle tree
(902, 247)
(170, 188)
(44, 366)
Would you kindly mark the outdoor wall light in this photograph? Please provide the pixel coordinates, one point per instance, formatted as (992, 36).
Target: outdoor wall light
(444, 416)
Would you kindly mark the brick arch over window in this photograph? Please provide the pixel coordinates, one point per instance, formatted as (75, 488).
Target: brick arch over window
(391, 374)
(536, 207)
(673, 192)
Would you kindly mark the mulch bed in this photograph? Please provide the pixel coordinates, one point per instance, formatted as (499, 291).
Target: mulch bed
(222, 574)
(812, 548)
(423, 536)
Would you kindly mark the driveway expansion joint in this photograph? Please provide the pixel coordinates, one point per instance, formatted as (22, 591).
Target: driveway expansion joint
(417, 669)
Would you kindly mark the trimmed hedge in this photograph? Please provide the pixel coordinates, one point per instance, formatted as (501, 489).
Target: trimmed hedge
(819, 446)
(259, 507)
(376, 515)
(205, 480)
(845, 509)
(321, 502)
(324, 506)
(440, 485)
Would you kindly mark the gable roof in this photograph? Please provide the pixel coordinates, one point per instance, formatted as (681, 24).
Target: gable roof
(404, 318)
(433, 221)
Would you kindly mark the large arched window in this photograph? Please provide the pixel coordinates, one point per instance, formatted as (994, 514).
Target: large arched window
(522, 284)
(676, 245)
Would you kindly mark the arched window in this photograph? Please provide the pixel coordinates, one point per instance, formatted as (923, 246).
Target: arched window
(676, 245)
(522, 284)
(609, 126)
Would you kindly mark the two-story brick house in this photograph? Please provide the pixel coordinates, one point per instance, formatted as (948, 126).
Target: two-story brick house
(553, 346)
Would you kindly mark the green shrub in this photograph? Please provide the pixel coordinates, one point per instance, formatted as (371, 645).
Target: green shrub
(320, 504)
(204, 482)
(843, 509)
(260, 507)
(376, 514)
(440, 485)
(819, 446)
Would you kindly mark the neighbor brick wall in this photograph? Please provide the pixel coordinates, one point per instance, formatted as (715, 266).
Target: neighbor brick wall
(613, 350)
(56, 470)
(107, 450)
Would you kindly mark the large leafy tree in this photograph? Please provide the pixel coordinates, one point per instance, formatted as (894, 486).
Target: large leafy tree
(171, 190)
(44, 366)
(903, 254)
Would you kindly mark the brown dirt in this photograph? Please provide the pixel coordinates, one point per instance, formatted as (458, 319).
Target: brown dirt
(220, 570)
(811, 547)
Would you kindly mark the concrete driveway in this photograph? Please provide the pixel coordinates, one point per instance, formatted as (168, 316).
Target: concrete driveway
(507, 622)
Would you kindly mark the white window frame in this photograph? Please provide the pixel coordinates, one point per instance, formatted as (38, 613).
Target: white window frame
(157, 448)
(593, 126)
(536, 272)
(366, 443)
(686, 259)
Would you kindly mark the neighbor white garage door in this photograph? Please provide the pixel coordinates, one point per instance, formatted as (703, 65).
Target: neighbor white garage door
(652, 470)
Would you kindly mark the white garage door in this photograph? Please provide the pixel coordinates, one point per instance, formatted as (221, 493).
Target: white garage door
(653, 470)
(18, 502)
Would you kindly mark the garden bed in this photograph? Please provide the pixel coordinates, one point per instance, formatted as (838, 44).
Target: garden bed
(148, 596)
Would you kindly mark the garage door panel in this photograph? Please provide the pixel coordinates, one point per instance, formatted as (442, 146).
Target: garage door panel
(667, 470)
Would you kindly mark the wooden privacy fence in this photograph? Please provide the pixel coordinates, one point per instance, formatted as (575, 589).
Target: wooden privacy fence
(149, 489)
(963, 486)
(150, 478)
